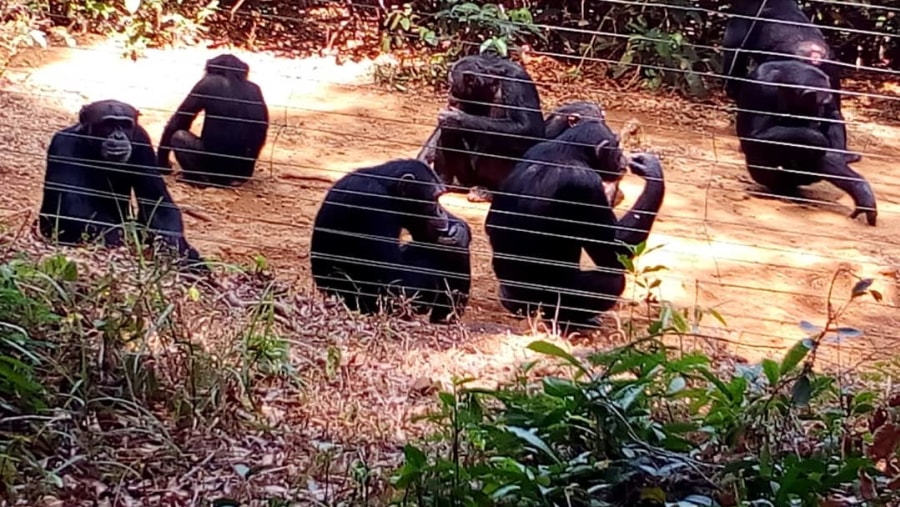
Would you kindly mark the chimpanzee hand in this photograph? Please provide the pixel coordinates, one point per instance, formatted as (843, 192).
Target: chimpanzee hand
(450, 117)
(646, 165)
(456, 236)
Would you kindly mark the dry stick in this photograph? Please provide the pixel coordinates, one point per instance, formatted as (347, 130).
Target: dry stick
(199, 215)
(322, 179)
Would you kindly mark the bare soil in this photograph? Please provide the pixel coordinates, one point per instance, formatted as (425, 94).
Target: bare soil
(763, 263)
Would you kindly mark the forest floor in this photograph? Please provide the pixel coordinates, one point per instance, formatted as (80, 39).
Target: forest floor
(763, 263)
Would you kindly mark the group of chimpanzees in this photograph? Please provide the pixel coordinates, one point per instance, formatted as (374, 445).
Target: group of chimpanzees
(93, 166)
(551, 182)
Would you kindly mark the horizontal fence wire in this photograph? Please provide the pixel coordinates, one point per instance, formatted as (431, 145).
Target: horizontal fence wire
(676, 184)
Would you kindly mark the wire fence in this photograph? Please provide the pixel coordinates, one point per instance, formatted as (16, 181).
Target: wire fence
(753, 267)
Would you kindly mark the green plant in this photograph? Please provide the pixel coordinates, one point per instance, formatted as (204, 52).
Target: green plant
(497, 27)
(642, 423)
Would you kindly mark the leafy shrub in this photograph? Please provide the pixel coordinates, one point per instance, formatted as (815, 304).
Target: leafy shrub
(646, 425)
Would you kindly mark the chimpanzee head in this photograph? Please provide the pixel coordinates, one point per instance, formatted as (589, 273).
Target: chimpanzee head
(418, 190)
(229, 66)
(571, 114)
(476, 79)
(108, 127)
(601, 152)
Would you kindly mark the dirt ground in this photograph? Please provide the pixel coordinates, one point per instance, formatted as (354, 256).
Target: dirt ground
(763, 263)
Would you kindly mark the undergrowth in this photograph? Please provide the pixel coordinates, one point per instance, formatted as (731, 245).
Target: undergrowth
(121, 376)
(651, 424)
(104, 367)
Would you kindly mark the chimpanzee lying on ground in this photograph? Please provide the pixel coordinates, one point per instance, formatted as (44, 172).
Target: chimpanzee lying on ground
(234, 130)
(766, 138)
(556, 203)
(92, 168)
(355, 249)
(493, 118)
(761, 40)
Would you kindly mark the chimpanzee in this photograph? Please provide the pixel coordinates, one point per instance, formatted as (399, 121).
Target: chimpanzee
(789, 33)
(777, 128)
(234, 130)
(493, 117)
(355, 249)
(557, 202)
(92, 168)
(570, 114)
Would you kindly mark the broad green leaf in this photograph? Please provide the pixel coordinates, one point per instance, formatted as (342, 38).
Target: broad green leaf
(770, 368)
(547, 348)
(414, 456)
(794, 356)
(533, 440)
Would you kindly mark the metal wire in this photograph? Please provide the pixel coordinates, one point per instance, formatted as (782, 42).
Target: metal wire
(705, 220)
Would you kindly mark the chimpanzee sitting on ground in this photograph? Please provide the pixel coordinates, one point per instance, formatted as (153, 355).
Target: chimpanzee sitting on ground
(493, 117)
(234, 130)
(355, 249)
(556, 203)
(789, 34)
(771, 117)
(92, 168)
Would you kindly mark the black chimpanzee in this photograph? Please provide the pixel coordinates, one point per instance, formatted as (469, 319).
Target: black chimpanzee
(234, 130)
(789, 34)
(355, 249)
(493, 117)
(570, 114)
(92, 168)
(778, 127)
(557, 202)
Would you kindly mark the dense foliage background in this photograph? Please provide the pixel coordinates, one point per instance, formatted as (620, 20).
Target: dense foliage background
(671, 43)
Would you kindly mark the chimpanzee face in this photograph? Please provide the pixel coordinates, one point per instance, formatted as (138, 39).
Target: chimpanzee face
(424, 217)
(115, 134)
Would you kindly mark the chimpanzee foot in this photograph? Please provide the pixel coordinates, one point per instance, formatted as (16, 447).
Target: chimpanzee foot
(479, 194)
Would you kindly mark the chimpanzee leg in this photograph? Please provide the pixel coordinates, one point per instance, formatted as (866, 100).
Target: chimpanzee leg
(835, 170)
(576, 302)
(191, 156)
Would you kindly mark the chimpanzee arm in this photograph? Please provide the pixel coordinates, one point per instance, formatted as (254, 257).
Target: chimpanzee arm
(66, 208)
(156, 209)
(735, 58)
(634, 226)
(516, 121)
(836, 171)
(429, 150)
(184, 116)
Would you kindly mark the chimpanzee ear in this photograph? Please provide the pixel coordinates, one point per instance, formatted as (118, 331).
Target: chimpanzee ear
(599, 149)
(406, 184)
(573, 119)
